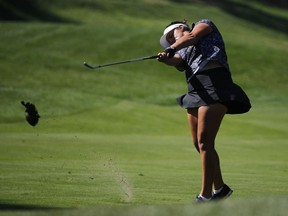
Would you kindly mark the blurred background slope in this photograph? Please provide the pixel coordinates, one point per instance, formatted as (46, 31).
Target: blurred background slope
(44, 43)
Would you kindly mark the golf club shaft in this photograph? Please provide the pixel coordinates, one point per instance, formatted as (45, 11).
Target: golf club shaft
(120, 62)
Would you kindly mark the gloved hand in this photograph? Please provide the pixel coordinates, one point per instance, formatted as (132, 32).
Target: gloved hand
(32, 116)
(170, 52)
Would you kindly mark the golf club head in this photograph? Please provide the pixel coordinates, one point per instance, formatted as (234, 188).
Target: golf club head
(89, 66)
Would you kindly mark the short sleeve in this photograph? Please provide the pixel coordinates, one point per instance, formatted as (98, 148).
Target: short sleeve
(209, 22)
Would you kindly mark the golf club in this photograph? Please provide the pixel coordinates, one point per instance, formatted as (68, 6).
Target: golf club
(120, 62)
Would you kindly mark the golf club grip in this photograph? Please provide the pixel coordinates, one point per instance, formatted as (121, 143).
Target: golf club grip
(152, 57)
(138, 59)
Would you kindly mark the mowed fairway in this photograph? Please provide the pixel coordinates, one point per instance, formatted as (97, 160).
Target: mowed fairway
(113, 141)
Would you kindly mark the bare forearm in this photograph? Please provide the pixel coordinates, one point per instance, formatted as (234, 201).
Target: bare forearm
(174, 61)
(185, 41)
(192, 38)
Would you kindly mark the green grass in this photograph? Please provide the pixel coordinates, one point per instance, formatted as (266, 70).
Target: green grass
(113, 141)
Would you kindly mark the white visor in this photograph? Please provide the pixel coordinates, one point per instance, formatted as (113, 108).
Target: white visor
(163, 41)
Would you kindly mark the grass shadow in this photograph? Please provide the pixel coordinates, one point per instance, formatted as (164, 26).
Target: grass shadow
(20, 207)
(251, 14)
(273, 3)
(255, 15)
(28, 10)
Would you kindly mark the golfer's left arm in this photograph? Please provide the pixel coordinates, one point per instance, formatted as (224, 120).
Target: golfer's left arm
(192, 38)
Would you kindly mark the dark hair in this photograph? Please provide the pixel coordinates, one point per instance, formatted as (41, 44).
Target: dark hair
(184, 22)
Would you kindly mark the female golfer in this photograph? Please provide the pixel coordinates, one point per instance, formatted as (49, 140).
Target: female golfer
(200, 52)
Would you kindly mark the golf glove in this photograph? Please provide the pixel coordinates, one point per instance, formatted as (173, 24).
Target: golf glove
(170, 51)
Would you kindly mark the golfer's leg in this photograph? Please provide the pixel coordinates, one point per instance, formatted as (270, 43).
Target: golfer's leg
(192, 115)
(218, 180)
(209, 120)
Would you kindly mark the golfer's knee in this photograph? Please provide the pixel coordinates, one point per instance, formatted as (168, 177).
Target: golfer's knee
(205, 145)
(195, 142)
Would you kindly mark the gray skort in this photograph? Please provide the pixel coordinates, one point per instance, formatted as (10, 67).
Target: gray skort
(215, 86)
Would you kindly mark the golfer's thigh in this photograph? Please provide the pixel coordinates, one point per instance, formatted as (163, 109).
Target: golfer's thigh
(209, 121)
(192, 115)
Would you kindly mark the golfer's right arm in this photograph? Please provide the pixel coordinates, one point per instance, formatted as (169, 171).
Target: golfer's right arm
(175, 61)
